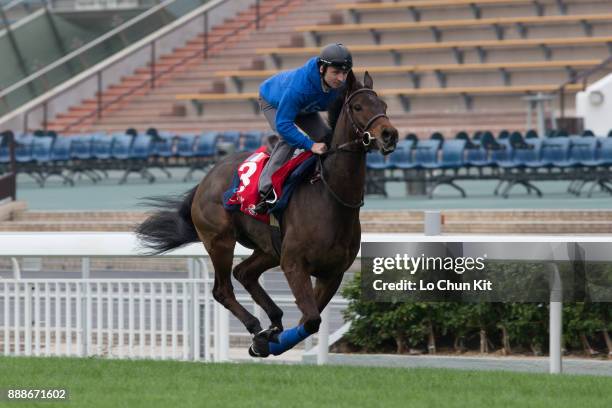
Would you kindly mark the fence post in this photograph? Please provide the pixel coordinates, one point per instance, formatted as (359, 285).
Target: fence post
(196, 321)
(323, 347)
(27, 321)
(85, 303)
(432, 223)
(223, 334)
(556, 321)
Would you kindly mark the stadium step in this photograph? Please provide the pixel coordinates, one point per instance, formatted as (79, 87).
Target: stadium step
(287, 17)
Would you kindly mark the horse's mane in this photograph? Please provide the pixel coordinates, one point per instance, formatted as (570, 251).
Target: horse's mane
(334, 110)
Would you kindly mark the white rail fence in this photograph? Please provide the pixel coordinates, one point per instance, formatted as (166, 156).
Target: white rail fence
(133, 318)
(158, 318)
(117, 318)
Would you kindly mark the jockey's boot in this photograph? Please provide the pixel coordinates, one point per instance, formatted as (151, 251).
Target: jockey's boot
(266, 200)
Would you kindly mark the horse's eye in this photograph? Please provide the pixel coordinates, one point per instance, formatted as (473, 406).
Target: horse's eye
(357, 107)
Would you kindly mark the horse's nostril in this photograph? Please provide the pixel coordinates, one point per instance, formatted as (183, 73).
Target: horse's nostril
(389, 134)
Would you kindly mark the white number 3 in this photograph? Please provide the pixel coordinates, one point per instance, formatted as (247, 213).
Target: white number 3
(246, 170)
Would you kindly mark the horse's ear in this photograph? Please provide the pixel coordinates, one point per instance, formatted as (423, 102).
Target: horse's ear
(351, 82)
(368, 82)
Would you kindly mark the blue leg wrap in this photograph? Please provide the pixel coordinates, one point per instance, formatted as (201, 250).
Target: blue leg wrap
(287, 339)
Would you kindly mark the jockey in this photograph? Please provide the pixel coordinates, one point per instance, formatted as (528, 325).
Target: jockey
(296, 97)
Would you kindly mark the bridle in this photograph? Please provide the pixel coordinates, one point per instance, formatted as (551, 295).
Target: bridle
(364, 139)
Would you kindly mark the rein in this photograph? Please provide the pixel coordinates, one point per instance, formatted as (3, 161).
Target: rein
(365, 139)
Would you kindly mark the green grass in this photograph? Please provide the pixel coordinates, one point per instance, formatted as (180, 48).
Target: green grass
(114, 383)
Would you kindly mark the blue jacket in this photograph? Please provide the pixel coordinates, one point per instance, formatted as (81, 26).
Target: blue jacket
(295, 92)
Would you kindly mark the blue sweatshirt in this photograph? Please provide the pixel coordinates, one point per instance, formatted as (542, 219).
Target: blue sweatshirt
(295, 92)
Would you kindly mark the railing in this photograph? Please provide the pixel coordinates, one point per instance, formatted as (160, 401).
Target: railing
(116, 318)
(86, 245)
(583, 77)
(81, 53)
(137, 55)
(27, 5)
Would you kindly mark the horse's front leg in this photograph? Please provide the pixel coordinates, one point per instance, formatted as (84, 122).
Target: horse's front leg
(325, 289)
(298, 277)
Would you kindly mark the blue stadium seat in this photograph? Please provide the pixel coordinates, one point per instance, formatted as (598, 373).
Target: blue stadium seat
(524, 154)
(206, 145)
(137, 160)
(453, 152)
(101, 146)
(205, 153)
(142, 147)
(81, 147)
(598, 170)
(252, 141)
(60, 157)
(121, 146)
(376, 164)
(23, 148)
(582, 150)
(62, 149)
(553, 150)
(185, 145)
(603, 154)
(163, 145)
(230, 137)
(41, 149)
(401, 158)
(82, 154)
(426, 153)
(162, 150)
(376, 161)
(478, 157)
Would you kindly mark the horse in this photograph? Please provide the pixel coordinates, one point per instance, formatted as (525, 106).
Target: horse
(320, 229)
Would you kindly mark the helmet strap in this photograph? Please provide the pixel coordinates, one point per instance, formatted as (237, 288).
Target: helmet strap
(322, 74)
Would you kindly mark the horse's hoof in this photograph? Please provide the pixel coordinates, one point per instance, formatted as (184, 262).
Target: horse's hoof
(252, 352)
(259, 347)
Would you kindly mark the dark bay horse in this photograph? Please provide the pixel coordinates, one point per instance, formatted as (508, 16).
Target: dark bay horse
(321, 230)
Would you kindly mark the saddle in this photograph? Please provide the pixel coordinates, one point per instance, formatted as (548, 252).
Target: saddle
(243, 194)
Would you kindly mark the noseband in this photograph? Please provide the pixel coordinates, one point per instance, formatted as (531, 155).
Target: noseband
(365, 139)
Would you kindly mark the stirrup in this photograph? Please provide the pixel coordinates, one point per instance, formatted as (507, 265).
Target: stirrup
(272, 200)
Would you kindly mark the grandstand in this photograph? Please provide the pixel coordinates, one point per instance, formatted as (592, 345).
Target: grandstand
(467, 61)
(451, 68)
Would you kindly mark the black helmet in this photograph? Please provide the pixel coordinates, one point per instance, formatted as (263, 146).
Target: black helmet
(336, 55)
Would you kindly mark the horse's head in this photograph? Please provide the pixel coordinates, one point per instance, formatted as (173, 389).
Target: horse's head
(367, 114)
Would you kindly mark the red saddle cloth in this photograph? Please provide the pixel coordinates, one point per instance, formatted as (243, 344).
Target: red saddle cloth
(246, 193)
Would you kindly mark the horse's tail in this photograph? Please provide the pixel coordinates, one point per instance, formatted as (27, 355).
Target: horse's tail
(171, 226)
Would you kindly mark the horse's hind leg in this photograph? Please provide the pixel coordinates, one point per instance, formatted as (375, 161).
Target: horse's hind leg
(221, 252)
(248, 272)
